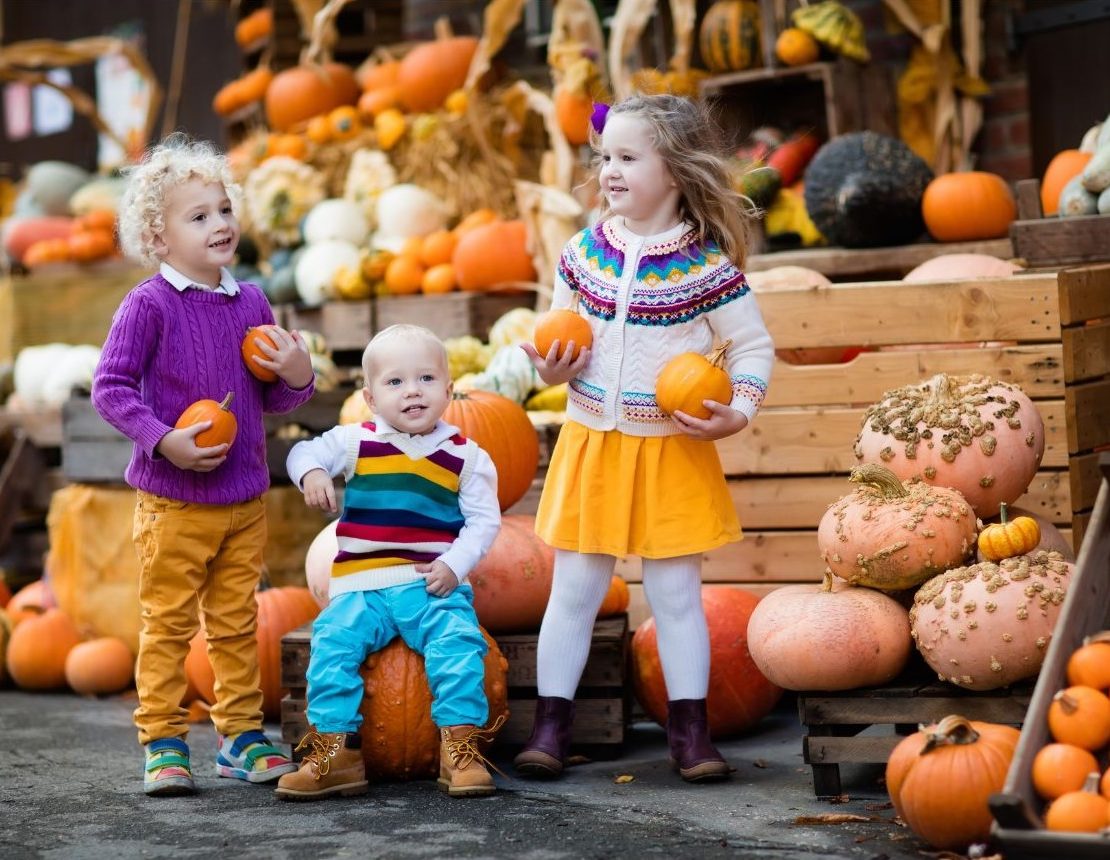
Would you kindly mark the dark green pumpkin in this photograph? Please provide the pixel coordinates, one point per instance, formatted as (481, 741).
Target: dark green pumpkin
(864, 190)
(729, 36)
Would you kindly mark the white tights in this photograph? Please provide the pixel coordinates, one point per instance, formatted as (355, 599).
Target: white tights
(673, 589)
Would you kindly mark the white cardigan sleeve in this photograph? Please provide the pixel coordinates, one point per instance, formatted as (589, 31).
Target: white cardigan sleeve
(751, 356)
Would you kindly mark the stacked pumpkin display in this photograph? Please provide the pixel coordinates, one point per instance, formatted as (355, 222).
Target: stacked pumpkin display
(1077, 181)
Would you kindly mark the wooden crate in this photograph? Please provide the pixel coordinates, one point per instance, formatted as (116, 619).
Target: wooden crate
(347, 326)
(1017, 808)
(1053, 241)
(794, 460)
(64, 303)
(602, 704)
(95, 452)
(833, 721)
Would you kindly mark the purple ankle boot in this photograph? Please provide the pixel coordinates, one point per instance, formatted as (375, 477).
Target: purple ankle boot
(545, 753)
(692, 752)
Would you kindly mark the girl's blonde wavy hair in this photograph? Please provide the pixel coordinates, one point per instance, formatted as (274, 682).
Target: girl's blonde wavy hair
(691, 145)
(175, 160)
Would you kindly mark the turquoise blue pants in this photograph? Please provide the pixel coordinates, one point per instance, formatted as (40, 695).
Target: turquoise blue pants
(443, 629)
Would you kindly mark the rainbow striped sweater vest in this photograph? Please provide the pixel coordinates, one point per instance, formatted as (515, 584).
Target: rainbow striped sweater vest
(397, 511)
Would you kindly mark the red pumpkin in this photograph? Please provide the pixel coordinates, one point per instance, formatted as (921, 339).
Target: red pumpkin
(493, 254)
(279, 611)
(739, 694)
(21, 233)
(791, 157)
(399, 739)
(829, 636)
(99, 667)
(37, 652)
(224, 426)
(503, 430)
(989, 456)
(512, 583)
(250, 349)
(432, 71)
(965, 207)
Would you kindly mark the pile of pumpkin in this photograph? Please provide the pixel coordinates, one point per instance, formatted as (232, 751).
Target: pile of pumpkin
(62, 214)
(1077, 181)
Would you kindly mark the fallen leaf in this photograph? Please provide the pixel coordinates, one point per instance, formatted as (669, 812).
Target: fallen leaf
(876, 807)
(623, 778)
(840, 798)
(578, 759)
(834, 818)
(759, 763)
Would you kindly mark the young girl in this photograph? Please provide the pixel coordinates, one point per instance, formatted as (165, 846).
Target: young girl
(658, 275)
(200, 519)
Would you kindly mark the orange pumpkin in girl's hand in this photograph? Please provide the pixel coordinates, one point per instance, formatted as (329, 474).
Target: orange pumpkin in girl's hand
(688, 379)
(224, 426)
(250, 349)
(563, 325)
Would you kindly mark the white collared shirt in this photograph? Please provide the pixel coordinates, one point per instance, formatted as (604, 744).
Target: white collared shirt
(228, 285)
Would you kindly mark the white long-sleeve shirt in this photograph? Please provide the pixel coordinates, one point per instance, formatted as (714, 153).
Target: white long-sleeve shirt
(648, 299)
(336, 452)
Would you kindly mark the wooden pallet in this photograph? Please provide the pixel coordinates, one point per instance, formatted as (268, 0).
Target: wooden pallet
(1017, 809)
(602, 705)
(833, 721)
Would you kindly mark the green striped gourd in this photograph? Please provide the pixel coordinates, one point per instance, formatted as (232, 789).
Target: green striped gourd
(729, 35)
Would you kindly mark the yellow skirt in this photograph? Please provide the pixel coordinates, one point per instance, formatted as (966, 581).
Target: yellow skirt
(655, 497)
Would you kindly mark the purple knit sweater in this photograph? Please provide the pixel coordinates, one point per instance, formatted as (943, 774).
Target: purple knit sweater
(168, 349)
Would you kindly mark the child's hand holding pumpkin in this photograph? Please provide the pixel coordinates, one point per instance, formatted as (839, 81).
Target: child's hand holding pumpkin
(288, 357)
(555, 369)
(723, 421)
(180, 448)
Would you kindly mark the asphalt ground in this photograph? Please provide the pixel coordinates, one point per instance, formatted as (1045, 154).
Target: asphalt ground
(71, 787)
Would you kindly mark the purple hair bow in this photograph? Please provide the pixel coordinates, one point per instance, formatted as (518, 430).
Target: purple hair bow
(597, 117)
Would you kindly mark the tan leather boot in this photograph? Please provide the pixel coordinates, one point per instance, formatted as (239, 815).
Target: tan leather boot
(333, 765)
(462, 767)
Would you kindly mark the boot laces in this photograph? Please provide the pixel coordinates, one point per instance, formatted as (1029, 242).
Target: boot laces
(324, 749)
(464, 751)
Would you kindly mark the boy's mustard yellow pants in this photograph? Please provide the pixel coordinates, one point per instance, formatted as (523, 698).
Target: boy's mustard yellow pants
(206, 557)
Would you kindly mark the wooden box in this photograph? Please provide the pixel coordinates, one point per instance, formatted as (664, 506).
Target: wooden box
(1054, 241)
(1017, 808)
(601, 705)
(1047, 333)
(64, 303)
(833, 721)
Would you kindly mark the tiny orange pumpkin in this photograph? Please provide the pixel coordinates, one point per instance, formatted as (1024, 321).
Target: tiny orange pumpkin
(1089, 664)
(1008, 538)
(563, 325)
(1080, 715)
(688, 379)
(224, 426)
(249, 349)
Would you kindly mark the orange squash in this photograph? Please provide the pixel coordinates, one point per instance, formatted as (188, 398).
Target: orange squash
(433, 70)
(965, 207)
(439, 279)
(1008, 538)
(249, 349)
(573, 109)
(345, 124)
(437, 247)
(96, 219)
(739, 694)
(1060, 768)
(477, 218)
(688, 379)
(1089, 664)
(243, 91)
(47, 251)
(399, 739)
(795, 47)
(616, 598)
(503, 430)
(255, 27)
(1065, 166)
(373, 102)
(279, 611)
(512, 583)
(376, 76)
(89, 245)
(563, 325)
(21, 233)
(492, 254)
(37, 652)
(1082, 811)
(224, 426)
(1080, 716)
(939, 779)
(299, 93)
(99, 667)
(404, 275)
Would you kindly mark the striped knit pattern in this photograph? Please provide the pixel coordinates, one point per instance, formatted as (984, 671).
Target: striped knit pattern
(397, 512)
(167, 349)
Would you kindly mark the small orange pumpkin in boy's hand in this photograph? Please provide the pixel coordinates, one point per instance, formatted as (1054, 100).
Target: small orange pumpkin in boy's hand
(250, 349)
(563, 325)
(224, 426)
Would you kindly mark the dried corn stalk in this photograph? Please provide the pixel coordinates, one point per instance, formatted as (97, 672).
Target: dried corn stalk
(498, 20)
(575, 33)
(628, 25)
(563, 168)
(552, 217)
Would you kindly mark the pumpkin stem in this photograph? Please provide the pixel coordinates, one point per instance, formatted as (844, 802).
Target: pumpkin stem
(952, 730)
(1095, 638)
(1091, 784)
(879, 477)
(827, 581)
(942, 387)
(442, 28)
(226, 402)
(1002, 513)
(717, 356)
(1067, 703)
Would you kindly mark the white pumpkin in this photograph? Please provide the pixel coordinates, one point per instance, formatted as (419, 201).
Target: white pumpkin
(317, 267)
(513, 327)
(336, 219)
(74, 369)
(407, 210)
(52, 183)
(317, 562)
(33, 367)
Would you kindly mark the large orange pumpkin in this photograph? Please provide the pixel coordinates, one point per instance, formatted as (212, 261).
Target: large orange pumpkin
(299, 93)
(513, 582)
(939, 779)
(399, 739)
(739, 694)
(689, 378)
(990, 453)
(224, 426)
(1065, 166)
(279, 611)
(616, 598)
(492, 254)
(502, 429)
(37, 652)
(100, 666)
(829, 637)
(965, 207)
(430, 72)
(892, 535)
